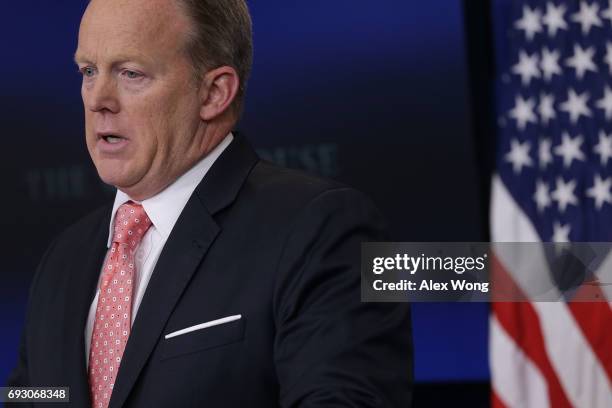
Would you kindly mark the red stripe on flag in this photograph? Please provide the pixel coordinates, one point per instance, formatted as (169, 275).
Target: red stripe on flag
(521, 322)
(496, 402)
(595, 321)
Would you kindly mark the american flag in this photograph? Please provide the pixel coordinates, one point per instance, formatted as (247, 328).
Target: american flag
(553, 182)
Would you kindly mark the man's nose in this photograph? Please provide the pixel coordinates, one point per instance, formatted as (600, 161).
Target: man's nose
(102, 96)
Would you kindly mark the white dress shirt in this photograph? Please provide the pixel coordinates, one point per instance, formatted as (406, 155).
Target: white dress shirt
(163, 210)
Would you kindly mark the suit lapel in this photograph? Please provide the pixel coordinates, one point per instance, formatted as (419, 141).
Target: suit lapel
(188, 243)
(82, 287)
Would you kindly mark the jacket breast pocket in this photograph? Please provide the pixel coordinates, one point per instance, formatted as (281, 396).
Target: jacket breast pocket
(202, 339)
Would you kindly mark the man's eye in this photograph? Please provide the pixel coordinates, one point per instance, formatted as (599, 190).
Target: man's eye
(88, 71)
(131, 74)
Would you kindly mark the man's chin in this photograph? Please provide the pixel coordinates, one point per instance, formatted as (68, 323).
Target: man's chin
(115, 178)
(133, 187)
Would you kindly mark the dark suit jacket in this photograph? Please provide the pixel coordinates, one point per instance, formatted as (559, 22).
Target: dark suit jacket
(277, 246)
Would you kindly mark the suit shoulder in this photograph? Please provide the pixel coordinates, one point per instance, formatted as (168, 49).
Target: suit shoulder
(86, 225)
(75, 238)
(279, 196)
(272, 179)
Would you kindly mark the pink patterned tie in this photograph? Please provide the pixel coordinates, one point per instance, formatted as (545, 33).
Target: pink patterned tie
(114, 310)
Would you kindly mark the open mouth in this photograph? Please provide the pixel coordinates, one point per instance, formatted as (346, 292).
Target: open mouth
(112, 139)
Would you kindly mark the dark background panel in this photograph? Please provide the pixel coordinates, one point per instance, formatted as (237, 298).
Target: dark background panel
(376, 95)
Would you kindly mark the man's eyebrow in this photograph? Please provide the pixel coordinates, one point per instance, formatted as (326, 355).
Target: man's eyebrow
(119, 59)
(79, 58)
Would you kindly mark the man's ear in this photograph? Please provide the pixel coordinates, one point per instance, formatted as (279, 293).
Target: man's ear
(218, 91)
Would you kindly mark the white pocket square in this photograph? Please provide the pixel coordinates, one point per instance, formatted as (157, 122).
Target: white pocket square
(203, 326)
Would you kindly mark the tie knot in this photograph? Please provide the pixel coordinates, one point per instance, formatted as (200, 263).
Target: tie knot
(131, 223)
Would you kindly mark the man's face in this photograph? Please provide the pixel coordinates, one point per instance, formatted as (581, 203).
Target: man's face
(141, 101)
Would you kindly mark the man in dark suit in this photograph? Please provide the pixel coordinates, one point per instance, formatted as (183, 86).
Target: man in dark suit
(214, 279)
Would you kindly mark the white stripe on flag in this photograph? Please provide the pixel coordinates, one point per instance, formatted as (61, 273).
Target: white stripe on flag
(508, 224)
(607, 266)
(507, 359)
(580, 372)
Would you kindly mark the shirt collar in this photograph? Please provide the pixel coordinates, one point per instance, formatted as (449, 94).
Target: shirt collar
(165, 207)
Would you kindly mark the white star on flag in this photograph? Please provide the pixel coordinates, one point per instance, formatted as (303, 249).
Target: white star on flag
(582, 60)
(546, 108)
(544, 155)
(587, 16)
(527, 67)
(605, 103)
(569, 149)
(542, 195)
(600, 192)
(564, 194)
(523, 112)
(561, 232)
(576, 105)
(529, 22)
(604, 147)
(519, 155)
(550, 63)
(554, 18)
